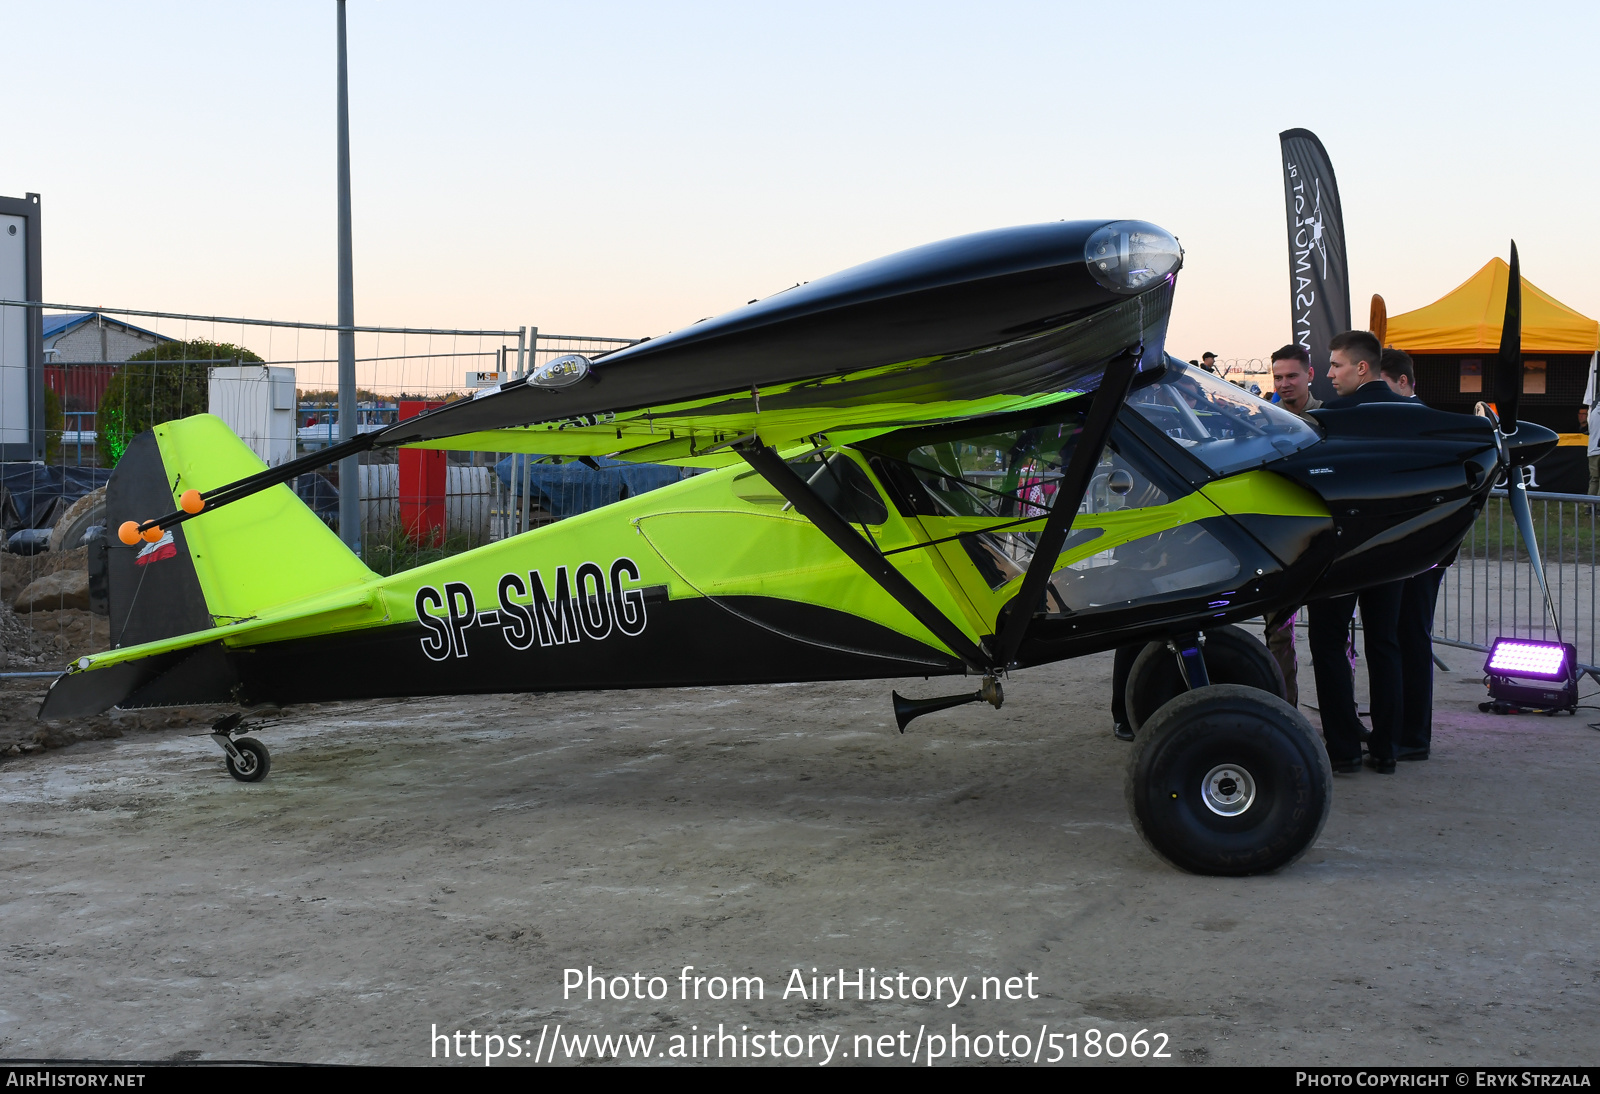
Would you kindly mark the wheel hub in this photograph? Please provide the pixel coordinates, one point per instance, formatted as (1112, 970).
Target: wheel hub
(1228, 790)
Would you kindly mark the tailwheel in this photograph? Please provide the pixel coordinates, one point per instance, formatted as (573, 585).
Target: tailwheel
(247, 758)
(250, 761)
(1228, 780)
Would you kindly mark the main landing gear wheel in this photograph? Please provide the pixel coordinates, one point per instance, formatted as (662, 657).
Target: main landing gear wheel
(1228, 780)
(1233, 656)
(253, 762)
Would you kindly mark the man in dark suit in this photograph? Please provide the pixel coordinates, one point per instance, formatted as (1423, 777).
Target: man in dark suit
(1121, 666)
(1417, 601)
(1399, 373)
(1353, 366)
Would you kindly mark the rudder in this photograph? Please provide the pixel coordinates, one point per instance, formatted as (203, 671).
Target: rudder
(152, 588)
(221, 567)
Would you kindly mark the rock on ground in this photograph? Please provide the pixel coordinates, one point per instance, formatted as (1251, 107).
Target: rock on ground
(62, 589)
(19, 571)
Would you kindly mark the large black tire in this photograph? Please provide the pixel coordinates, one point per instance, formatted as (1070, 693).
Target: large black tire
(1228, 780)
(1233, 656)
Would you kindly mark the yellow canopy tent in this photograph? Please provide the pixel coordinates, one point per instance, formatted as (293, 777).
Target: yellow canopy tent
(1453, 342)
(1468, 318)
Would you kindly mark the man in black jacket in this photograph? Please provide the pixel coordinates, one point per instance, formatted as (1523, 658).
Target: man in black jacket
(1399, 373)
(1418, 599)
(1353, 366)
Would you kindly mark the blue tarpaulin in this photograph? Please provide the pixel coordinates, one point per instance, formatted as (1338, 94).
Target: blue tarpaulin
(320, 495)
(36, 494)
(567, 489)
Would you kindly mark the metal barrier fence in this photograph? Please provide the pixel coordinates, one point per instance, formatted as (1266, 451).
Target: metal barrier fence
(1491, 590)
(108, 374)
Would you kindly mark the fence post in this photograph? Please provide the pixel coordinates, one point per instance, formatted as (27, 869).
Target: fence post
(350, 466)
(526, 478)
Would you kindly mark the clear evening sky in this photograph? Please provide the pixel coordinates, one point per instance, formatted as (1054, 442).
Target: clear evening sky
(625, 169)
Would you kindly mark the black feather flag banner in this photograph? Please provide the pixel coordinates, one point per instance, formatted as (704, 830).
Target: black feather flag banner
(1319, 278)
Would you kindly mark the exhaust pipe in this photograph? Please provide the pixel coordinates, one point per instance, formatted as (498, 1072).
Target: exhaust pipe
(907, 709)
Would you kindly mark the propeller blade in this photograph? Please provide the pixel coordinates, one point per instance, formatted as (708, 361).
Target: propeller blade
(1508, 367)
(1518, 493)
(1508, 392)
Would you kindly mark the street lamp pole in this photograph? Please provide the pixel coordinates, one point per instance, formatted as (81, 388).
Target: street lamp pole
(350, 466)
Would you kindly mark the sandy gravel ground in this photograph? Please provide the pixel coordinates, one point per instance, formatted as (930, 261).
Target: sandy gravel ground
(442, 862)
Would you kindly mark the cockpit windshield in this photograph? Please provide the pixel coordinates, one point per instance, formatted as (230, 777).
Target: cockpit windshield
(1223, 426)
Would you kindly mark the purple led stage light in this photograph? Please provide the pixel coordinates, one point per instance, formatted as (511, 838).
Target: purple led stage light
(1519, 657)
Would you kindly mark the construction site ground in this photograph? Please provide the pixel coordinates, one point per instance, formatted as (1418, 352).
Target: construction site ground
(417, 867)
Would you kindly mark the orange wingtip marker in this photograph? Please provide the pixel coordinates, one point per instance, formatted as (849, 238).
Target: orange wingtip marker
(129, 532)
(192, 502)
(152, 534)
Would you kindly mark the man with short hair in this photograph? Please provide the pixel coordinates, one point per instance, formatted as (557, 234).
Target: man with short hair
(1418, 597)
(1353, 366)
(1399, 373)
(1208, 361)
(1291, 382)
(1291, 379)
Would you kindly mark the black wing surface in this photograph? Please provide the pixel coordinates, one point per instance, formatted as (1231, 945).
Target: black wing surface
(1014, 311)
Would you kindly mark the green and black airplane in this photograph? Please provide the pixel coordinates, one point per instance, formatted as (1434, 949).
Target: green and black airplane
(972, 457)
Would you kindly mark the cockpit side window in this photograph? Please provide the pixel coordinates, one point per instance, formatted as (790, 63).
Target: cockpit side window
(1001, 481)
(1005, 474)
(1223, 426)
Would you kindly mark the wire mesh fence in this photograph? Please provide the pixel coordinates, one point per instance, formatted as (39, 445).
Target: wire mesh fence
(1491, 590)
(107, 375)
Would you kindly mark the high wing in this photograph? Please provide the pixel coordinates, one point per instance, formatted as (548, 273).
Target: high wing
(995, 321)
(999, 320)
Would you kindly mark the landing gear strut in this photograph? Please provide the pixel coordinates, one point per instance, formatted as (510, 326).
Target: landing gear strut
(247, 758)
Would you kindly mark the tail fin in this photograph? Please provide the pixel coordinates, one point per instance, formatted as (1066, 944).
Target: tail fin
(152, 588)
(217, 570)
(222, 567)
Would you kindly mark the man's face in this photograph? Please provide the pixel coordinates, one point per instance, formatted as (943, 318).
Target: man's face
(1209, 363)
(1346, 373)
(1291, 379)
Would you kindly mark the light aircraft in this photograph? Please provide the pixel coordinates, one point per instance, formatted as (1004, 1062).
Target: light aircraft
(967, 458)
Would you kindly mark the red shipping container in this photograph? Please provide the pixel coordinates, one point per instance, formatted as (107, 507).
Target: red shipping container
(422, 485)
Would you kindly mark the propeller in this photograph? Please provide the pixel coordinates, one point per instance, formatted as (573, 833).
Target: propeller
(1508, 365)
(1508, 397)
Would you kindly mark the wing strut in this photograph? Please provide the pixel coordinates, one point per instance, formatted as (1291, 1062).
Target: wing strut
(1103, 408)
(810, 505)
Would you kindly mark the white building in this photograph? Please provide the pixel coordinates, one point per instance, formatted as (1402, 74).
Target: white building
(81, 337)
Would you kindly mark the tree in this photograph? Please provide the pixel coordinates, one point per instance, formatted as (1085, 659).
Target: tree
(167, 381)
(53, 421)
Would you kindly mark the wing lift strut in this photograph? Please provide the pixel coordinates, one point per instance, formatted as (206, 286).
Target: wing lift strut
(992, 655)
(195, 502)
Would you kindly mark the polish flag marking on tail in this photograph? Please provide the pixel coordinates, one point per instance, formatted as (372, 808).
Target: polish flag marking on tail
(165, 547)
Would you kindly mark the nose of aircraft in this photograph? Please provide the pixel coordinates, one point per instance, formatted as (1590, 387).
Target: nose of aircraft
(1403, 484)
(1530, 442)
